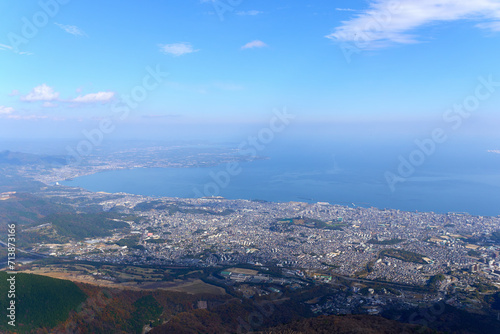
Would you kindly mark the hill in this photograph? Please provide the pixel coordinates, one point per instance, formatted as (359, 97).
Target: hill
(347, 324)
(20, 159)
(446, 318)
(41, 302)
(11, 181)
(48, 305)
(27, 209)
(79, 226)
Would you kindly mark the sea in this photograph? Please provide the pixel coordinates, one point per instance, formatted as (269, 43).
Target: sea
(451, 177)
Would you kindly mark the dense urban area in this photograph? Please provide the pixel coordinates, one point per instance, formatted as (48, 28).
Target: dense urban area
(371, 260)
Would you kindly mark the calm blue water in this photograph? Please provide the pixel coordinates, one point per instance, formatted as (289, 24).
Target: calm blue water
(456, 178)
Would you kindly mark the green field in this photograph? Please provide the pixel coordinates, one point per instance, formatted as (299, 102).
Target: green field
(403, 255)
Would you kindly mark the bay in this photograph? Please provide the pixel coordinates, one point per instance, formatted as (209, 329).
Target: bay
(314, 172)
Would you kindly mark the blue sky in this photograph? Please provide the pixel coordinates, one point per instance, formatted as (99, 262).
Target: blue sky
(394, 65)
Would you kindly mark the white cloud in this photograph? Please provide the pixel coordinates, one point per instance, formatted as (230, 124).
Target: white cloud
(95, 97)
(10, 48)
(48, 104)
(73, 30)
(27, 117)
(254, 44)
(41, 93)
(387, 21)
(5, 47)
(493, 26)
(6, 110)
(177, 49)
(345, 9)
(249, 13)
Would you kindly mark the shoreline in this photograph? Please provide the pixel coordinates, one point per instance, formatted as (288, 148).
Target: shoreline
(221, 198)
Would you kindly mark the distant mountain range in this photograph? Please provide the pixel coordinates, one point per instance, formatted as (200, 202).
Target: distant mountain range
(20, 159)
